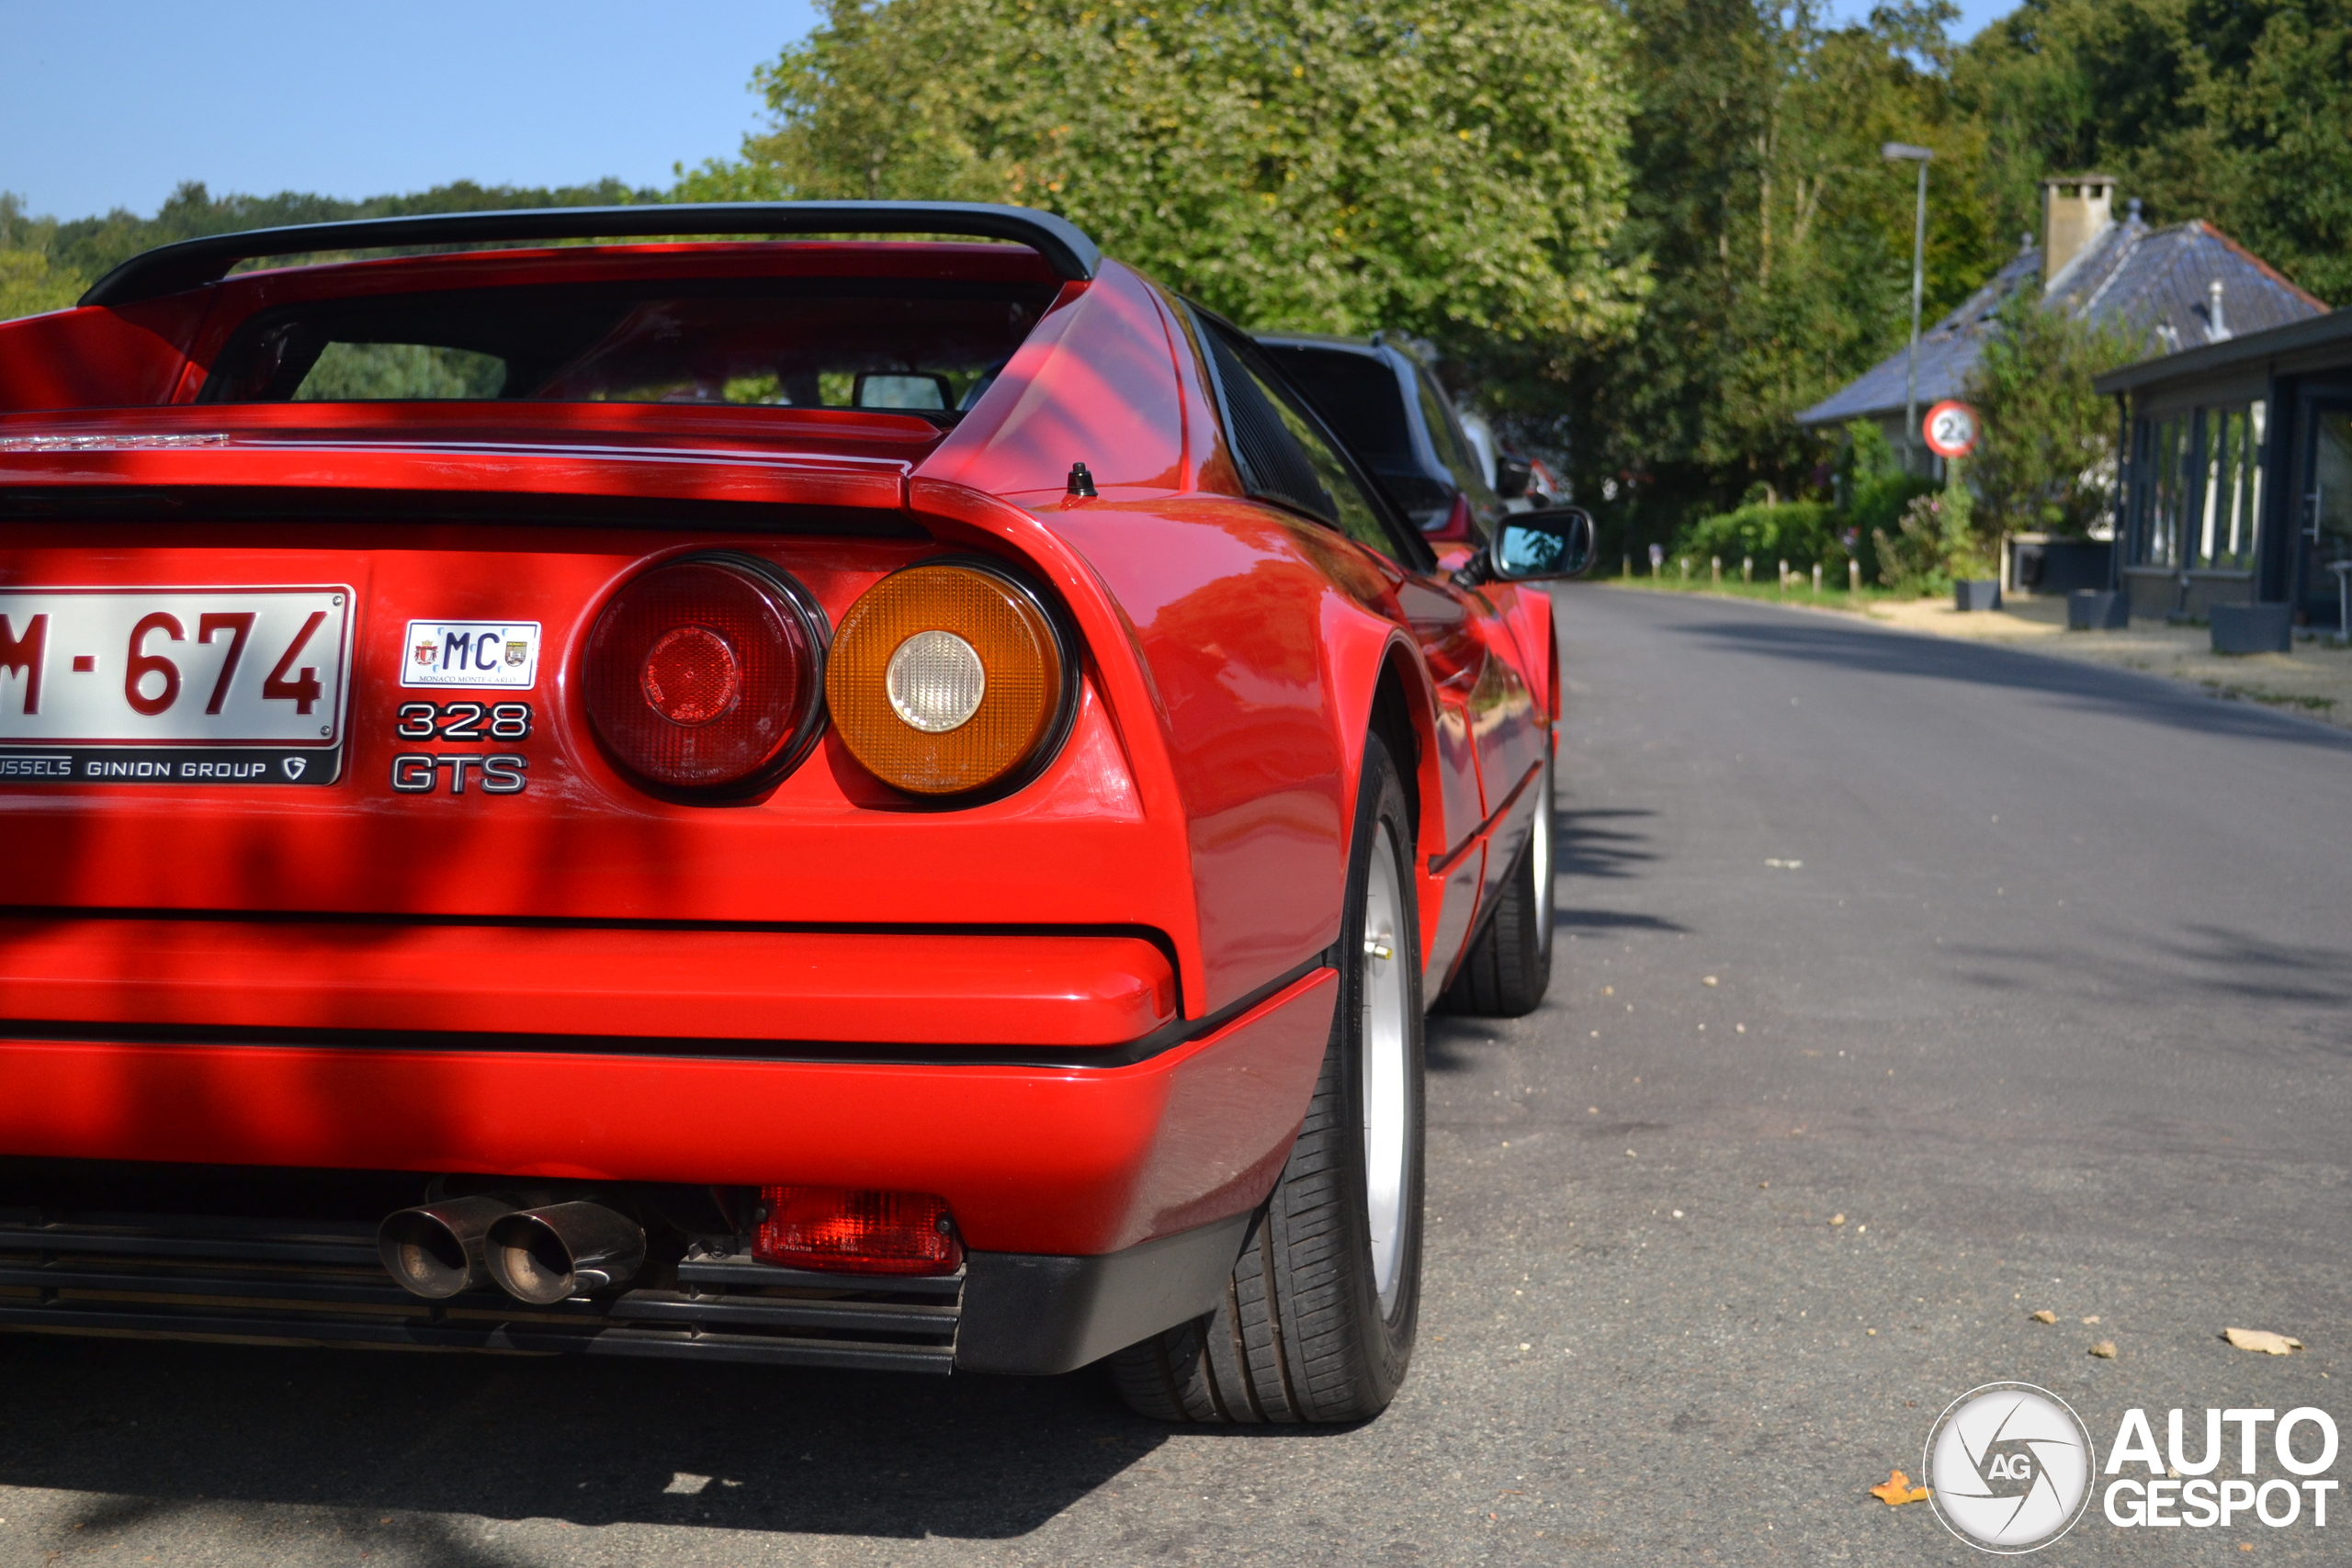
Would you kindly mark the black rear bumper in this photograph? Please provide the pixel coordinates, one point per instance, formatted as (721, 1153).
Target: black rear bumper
(319, 1283)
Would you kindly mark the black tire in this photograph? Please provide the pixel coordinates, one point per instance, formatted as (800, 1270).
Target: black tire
(1508, 967)
(1302, 1334)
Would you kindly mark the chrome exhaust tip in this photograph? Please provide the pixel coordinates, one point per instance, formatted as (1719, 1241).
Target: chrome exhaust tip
(436, 1251)
(542, 1256)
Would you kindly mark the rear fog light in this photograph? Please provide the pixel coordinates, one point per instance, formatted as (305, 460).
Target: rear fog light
(856, 1231)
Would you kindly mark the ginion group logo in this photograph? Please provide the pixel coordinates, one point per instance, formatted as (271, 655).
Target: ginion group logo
(2008, 1467)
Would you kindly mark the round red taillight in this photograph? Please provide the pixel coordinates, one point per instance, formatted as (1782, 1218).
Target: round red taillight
(705, 675)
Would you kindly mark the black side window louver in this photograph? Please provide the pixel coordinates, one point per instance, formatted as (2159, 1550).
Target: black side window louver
(1273, 464)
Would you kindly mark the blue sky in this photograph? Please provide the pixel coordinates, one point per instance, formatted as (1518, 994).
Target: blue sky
(111, 103)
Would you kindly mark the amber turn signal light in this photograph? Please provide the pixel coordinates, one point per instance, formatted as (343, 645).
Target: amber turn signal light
(946, 677)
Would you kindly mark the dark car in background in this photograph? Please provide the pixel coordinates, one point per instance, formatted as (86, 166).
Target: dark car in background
(1387, 404)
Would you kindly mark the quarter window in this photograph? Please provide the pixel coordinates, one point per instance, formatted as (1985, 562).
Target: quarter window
(1283, 456)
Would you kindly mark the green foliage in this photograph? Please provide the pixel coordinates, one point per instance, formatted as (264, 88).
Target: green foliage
(1452, 168)
(355, 372)
(2045, 460)
(1934, 543)
(1798, 531)
(1874, 492)
(1780, 241)
(2240, 114)
(30, 282)
(90, 246)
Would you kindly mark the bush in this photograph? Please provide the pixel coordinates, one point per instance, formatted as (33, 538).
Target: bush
(1876, 493)
(1933, 543)
(1798, 531)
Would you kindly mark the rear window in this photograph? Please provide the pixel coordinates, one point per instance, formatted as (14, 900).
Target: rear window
(920, 348)
(1357, 396)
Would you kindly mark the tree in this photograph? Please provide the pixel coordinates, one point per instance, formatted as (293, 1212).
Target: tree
(90, 246)
(2045, 458)
(1780, 241)
(30, 282)
(1454, 169)
(2238, 111)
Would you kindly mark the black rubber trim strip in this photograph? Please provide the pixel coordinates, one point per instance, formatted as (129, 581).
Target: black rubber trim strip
(1167, 1038)
(742, 1272)
(247, 1287)
(1439, 864)
(125, 1243)
(672, 1345)
(874, 1317)
(168, 269)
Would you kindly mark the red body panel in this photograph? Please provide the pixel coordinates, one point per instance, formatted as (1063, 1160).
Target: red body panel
(744, 985)
(1183, 850)
(1075, 1160)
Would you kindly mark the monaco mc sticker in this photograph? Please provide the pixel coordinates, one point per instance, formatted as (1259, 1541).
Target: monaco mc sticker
(471, 653)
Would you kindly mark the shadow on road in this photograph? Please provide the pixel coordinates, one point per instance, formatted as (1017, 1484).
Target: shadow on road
(155, 1430)
(2200, 964)
(2121, 692)
(1611, 845)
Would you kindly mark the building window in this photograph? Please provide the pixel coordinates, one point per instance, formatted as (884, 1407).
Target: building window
(2232, 494)
(2160, 467)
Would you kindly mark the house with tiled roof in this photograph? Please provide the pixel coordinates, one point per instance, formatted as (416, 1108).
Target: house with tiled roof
(2183, 286)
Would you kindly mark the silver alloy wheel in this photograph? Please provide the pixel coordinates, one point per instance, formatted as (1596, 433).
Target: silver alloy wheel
(1385, 1113)
(1539, 851)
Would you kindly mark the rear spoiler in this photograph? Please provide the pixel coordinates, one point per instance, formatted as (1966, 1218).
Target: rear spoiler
(188, 264)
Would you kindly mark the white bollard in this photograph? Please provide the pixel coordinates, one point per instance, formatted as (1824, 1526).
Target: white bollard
(1853, 576)
(1748, 569)
(1816, 577)
(1716, 565)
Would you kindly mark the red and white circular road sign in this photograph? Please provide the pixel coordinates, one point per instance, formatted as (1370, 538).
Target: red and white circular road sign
(1952, 429)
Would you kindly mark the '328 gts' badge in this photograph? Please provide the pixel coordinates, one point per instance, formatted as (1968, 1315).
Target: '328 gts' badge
(471, 653)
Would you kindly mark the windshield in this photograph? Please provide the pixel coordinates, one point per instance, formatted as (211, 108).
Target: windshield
(923, 348)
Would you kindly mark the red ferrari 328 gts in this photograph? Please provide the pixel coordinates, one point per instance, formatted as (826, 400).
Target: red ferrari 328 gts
(886, 804)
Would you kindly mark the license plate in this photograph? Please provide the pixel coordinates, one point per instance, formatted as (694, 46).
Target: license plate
(173, 685)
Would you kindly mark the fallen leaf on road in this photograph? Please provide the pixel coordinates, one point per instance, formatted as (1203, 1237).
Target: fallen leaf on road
(2045, 1315)
(2093, 1318)
(1708, 981)
(2104, 1349)
(1836, 1219)
(2261, 1339)
(1897, 1490)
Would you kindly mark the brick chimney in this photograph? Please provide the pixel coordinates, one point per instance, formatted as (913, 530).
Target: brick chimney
(2074, 209)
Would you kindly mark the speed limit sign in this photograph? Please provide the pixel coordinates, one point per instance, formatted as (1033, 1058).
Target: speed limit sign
(1950, 428)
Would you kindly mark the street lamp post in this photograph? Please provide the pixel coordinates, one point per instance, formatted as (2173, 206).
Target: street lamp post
(1902, 151)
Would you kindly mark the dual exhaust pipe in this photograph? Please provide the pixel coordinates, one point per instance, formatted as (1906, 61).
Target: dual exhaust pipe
(537, 1255)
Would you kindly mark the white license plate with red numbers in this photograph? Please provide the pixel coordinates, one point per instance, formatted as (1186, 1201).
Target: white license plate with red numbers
(173, 685)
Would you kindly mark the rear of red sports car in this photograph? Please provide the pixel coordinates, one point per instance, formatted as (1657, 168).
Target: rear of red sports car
(567, 800)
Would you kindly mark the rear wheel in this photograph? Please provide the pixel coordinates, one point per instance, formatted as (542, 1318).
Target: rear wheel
(1509, 968)
(1318, 1320)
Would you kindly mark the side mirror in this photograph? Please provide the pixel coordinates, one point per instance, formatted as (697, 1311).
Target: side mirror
(1531, 546)
(1512, 473)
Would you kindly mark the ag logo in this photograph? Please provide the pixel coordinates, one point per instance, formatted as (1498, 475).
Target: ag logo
(2009, 1468)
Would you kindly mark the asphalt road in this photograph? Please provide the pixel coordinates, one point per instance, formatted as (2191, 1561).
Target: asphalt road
(2033, 972)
